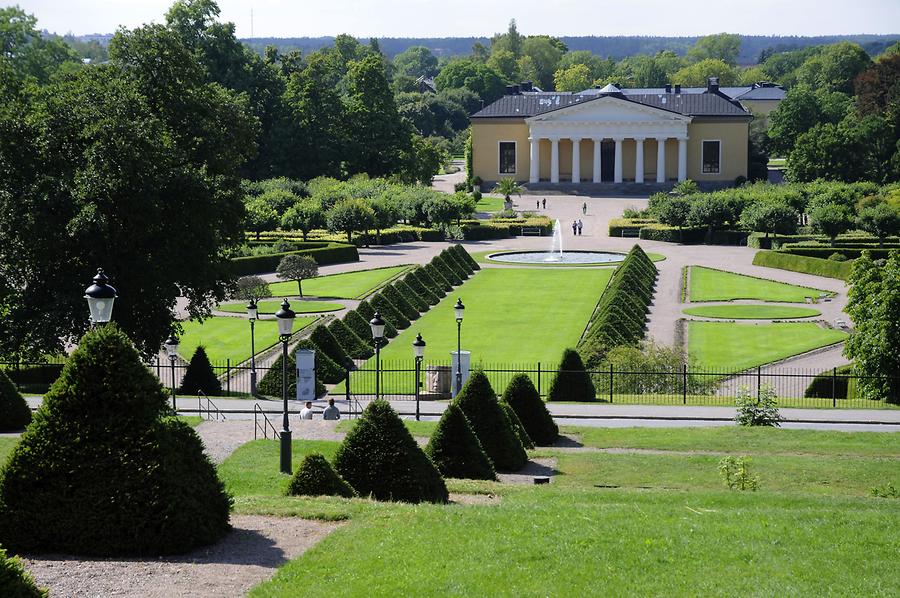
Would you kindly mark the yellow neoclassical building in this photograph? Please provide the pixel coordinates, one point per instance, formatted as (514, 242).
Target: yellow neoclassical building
(613, 135)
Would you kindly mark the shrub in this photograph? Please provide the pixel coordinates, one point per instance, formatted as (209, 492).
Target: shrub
(316, 477)
(571, 382)
(837, 257)
(455, 449)
(736, 473)
(523, 397)
(14, 411)
(15, 581)
(353, 346)
(834, 383)
(388, 311)
(465, 256)
(367, 312)
(414, 282)
(443, 266)
(480, 406)
(440, 285)
(104, 469)
(517, 426)
(476, 194)
(411, 296)
(761, 410)
(323, 252)
(396, 299)
(200, 377)
(326, 343)
(359, 325)
(380, 458)
(270, 385)
(461, 271)
(686, 187)
(807, 265)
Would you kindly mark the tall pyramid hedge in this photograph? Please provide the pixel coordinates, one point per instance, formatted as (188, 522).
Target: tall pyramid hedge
(406, 308)
(323, 339)
(479, 403)
(523, 397)
(517, 426)
(316, 477)
(389, 312)
(414, 282)
(414, 299)
(571, 382)
(367, 312)
(199, 376)
(359, 326)
(354, 346)
(435, 286)
(103, 471)
(454, 264)
(14, 411)
(455, 449)
(380, 458)
(465, 255)
(440, 281)
(449, 274)
(270, 384)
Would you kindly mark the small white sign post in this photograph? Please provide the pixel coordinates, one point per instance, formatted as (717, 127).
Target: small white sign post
(306, 374)
(464, 358)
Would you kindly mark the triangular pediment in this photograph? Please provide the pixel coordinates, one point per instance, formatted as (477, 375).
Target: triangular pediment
(609, 109)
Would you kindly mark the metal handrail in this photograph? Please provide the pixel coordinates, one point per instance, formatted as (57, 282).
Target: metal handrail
(211, 410)
(257, 410)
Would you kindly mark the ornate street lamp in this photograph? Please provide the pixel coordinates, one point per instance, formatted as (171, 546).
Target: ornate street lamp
(377, 325)
(419, 354)
(171, 345)
(458, 309)
(252, 312)
(285, 317)
(100, 297)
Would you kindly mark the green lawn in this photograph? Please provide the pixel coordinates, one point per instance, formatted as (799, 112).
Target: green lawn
(229, 338)
(270, 307)
(6, 446)
(481, 258)
(707, 284)
(489, 204)
(752, 312)
(736, 347)
(347, 285)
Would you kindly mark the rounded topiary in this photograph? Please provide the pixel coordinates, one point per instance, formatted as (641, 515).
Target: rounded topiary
(517, 426)
(354, 346)
(479, 403)
(571, 382)
(455, 449)
(14, 411)
(379, 457)
(200, 376)
(367, 312)
(316, 477)
(103, 470)
(15, 581)
(330, 346)
(523, 397)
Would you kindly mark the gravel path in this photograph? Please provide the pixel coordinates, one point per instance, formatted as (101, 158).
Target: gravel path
(220, 439)
(248, 555)
(541, 466)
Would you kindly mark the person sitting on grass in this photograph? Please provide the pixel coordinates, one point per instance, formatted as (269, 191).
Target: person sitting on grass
(331, 412)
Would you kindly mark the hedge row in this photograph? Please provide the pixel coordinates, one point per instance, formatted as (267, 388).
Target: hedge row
(323, 252)
(826, 252)
(827, 386)
(691, 235)
(621, 313)
(502, 228)
(806, 265)
(618, 225)
(414, 281)
(389, 236)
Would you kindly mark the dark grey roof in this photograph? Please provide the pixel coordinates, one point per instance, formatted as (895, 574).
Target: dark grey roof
(763, 93)
(757, 91)
(533, 104)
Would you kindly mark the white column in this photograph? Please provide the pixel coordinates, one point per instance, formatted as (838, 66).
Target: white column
(534, 174)
(597, 143)
(660, 159)
(618, 163)
(576, 159)
(639, 160)
(554, 160)
(682, 158)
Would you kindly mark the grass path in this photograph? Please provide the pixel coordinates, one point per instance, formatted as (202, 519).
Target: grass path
(708, 284)
(347, 285)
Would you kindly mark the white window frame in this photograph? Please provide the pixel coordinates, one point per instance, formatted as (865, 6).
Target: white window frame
(515, 160)
(703, 141)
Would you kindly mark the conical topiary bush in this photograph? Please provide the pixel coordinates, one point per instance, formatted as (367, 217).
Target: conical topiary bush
(414, 282)
(433, 285)
(389, 311)
(441, 283)
(402, 304)
(379, 457)
(455, 449)
(359, 326)
(270, 385)
(14, 411)
(571, 382)
(461, 251)
(411, 296)
(200, 376)
(479, 403)
(330, 346)
(15, 581)
(103, 470)
(354, 346)
(523, 397)
(367, 312)
(517, 426)
(316, 477)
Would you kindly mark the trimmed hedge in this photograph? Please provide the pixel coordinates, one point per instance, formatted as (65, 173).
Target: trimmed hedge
(360, 326)
(415, 282)
(523, 397)
(446, 270)
(617, 225)
(571, 382)
(517, 426)
(316, 477)
(806, 265)
(353, 346)
(478, 402)
(35, 378)
(15, 581)
(825, 252)
(440, 285)
(464, 255)
(388, 311)
(389, 236)
(14, 411)
(399, 301)
(367, 312)
(104, 471)
(326, 369)
(455, 449)
(380, 458)
(826, 386)
(411, 296)
(503, 228)
(458, 269)
(672, 234)
(200, 376)
(323, 339)
(323, 252)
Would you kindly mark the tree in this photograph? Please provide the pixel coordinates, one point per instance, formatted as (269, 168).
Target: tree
(29, 55)
(416, 61)
(834, 68)
(801, 110)
(575, 78)
(474, 76)
(259, 216)
(697, 74)
(199, 376)
(455, 449)
(303, 216)
(571, 382)
(878, 88)
(856, 149)
(422, 160)
(724, 47)
(505, 63)
(545, 53)
(510, 41)
(14, 411)
(508, 187)
(597, 67)
(674, 211)
(874, 306)
(252, 287)
(881, 220)
(297, 267)
(709, 211)
(830, 220)
(770, 217)
(751, 75)
(350, 216)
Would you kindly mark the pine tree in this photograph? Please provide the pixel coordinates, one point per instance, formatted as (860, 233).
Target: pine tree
(523, 397)
(200, 377)
(14, 411)
(455, 449)
(479, 403)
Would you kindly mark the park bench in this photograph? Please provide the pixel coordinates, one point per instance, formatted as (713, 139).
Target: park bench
(632, 232)
(535, 231)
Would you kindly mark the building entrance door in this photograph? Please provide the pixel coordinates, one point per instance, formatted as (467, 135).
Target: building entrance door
(607, 161)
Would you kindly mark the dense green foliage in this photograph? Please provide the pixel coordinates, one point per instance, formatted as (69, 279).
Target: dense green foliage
(380, 458)
(412, 297)
(523, 397)
(464, 255)
(271, 385)
(570, 381)
(324, 253)
(415, 282)
(397, 299)
(316, 477)
(758, 410)
(441, 285)
(297, 268)
(15, 581)
(518, 428)
(446, 269)
(103, 467)
(479, 403)
(199, 376)
(388, 311)
(455, 449)
(359, 325)
(350, 342)
(14, 411)
(367, 312)
(326, 342)
(807, 265)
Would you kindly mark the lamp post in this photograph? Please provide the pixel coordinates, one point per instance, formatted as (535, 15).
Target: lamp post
(377, 325)
(285, 317)
(172, 351)
(458, 309)
(419, 353)
(100, 298)
(252, 312)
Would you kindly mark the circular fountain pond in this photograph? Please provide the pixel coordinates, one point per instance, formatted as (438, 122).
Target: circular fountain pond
(557, 257)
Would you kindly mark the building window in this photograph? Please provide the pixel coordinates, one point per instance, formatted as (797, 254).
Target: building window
(711, 157)
(507, 157)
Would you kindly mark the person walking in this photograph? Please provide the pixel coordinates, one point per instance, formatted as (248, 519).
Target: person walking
(331, 412)
(574, 227)
(584, 208)
(545, 203)
(580, 224)
(538, 206)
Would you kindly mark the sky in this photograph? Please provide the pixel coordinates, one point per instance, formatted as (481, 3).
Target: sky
(465, 18)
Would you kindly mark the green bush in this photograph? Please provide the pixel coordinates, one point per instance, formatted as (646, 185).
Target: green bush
(316, 477)
(388, 311)
(200, 377)
(352, 345)
(517, 426)
(455, 449)
(411, 296)
(835, 383)
(523, 397)
(104, 470)
(460, 270)
(15, 581)
(406, 308)
(367, 312)
(465, 256)
(324, 253)
(450, 275)
(414, 282)
(571, 382)
(759, 410)
(359, 325)
(478, 402)
(436, 281)
(380, 458)
(35, 378)
(806, 265)
(14, 411)
(323, 339)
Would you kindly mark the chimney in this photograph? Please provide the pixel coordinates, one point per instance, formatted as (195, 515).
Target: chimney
(509, 90)
(668, 88)
(677, 88)
(712, 85)
(527, 86)
(516, 90)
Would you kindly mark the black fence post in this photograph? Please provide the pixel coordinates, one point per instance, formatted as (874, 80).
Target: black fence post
(347, 396)
(228, 376)
(834, 387)
(758, 382)
(540, 394)
(684, 383)
(610, 383)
